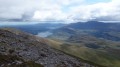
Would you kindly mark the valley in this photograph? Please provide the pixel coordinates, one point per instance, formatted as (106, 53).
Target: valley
(99, 45)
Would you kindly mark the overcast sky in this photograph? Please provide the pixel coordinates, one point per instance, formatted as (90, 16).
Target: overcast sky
(67, 10)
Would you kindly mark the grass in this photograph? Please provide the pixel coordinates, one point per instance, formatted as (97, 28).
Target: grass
(97, 57)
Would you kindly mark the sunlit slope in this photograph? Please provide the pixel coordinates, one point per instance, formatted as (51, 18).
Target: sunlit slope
(102, 56)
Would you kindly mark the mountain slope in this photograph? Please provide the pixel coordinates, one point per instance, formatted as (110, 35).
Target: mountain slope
(25, 50)
(96, 42)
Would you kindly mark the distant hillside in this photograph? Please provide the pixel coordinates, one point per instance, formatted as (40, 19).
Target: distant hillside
(20, 49)
(109, 31)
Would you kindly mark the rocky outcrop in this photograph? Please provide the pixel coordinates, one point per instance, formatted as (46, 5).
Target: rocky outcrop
(29, 48)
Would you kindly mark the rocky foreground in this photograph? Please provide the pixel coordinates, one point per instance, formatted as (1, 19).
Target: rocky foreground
(19, 49)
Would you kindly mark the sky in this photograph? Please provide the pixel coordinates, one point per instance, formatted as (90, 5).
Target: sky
(60, 10)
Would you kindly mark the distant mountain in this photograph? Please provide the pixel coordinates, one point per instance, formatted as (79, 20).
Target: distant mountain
(20, 49)
(95, 25)
(36, 28)
(108, 31)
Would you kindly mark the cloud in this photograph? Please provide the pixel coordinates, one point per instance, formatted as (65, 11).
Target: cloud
(67, 10)
(49, 15)
(13, 9)
(98, 10)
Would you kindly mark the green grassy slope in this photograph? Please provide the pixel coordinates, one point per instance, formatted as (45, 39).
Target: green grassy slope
(106, 55)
